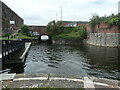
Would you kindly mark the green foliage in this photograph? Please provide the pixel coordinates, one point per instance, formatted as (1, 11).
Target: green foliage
(76, 33)
(114, 21)
(22, 36)
(57, 30)
(111, 20)
(7, 35)
(54, 28)
(25, 29)
(94, 20)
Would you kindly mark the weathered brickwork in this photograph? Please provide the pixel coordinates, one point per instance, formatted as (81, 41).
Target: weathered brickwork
(37, 30)
(103, 35)
(9, 15)
(102, 28)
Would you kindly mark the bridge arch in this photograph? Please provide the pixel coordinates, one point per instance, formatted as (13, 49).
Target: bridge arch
(45, 38)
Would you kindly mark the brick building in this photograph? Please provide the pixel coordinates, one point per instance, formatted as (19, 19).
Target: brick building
(9, 20)
(73, 23)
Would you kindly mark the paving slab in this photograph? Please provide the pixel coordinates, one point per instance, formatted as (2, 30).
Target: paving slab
(7, 76)
(60, 81)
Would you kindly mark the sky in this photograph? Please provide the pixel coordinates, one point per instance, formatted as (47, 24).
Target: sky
(41, 12)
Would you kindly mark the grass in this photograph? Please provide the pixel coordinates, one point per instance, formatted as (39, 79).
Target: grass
(71, 35)
(20, 36)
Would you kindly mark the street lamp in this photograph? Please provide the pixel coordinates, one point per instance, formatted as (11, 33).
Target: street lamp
(61, 13)
(56, 17)
(119, 8)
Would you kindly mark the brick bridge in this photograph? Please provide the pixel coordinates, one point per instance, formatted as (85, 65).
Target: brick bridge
(41, 32)
(37, 30)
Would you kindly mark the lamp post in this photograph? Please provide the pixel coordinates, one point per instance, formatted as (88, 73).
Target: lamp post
(56, 17)
(119, 8)
(61, 13)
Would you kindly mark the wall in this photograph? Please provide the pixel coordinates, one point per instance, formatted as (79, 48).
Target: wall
(104, 39)
(103, 35)
(102, 28)
(0, 18)
(7, 16)
(37, 30)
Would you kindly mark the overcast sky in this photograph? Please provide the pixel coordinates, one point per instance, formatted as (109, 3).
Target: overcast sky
(40, 12)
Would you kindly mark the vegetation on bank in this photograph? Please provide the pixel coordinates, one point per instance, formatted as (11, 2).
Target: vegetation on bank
(23, 34)
(58, 31)
(112, 20)
(25, 30)
(17, 36)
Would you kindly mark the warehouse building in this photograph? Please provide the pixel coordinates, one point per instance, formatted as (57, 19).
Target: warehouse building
(10, 22)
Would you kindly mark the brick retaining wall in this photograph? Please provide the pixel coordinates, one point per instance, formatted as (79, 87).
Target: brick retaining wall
(102, 27)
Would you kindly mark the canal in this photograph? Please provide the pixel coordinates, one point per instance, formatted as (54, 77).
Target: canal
(82, 60)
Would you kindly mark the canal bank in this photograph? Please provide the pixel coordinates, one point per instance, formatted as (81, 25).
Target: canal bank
(104, 39)
(57, 81)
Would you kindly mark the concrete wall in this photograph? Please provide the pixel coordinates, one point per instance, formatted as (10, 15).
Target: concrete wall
(7, 16)
(104, 39)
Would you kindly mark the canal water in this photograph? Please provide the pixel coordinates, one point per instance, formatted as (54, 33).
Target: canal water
(72, 60)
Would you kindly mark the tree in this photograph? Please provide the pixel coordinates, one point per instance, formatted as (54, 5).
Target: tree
(54, 28)
(25, 29)
(94, 20)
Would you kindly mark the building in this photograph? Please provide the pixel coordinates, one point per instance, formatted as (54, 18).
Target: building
(73, 23)
(9, 20)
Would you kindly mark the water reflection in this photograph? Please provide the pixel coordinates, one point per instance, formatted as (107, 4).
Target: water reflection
(13, 68)
(73, 60)
(103, 61)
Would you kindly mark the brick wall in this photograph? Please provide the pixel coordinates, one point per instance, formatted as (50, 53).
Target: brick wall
(7, 16)
(103, 35)
(102, 28)
(38, 30)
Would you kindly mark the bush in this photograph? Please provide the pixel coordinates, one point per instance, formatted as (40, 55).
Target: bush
(57, 30)
(112, 20)
(25, 29)
(54, 28)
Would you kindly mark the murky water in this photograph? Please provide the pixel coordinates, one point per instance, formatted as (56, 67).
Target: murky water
(82, 60)
(73, 60)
